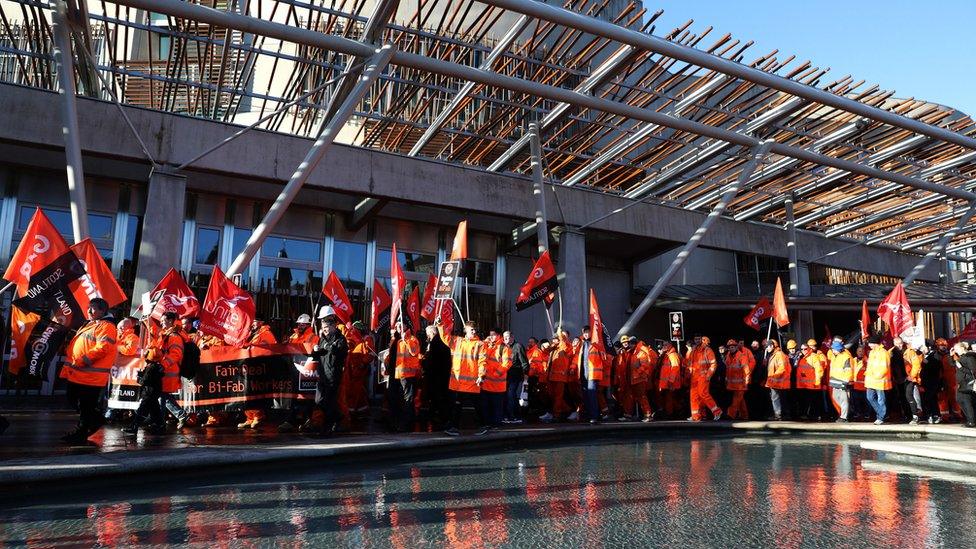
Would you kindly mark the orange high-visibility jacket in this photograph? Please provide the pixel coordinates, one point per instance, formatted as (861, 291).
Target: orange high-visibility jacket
(592, 362)
(305, 336)
(913, 365)
(128, 342)
(498, 360)
(877, 374)
(166, 348)
(778, 370)
(467, 362)
(91, 354)
(561, 359)
(738, 370)
(860, 367)
(408, 357)
(263, 337)
(702, 362)
(842, 366)
(621, 367)
(670, 379)
(538, 361)
(808, 372)
(642, 364)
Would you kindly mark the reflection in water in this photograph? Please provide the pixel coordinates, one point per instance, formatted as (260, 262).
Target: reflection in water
(712, 492)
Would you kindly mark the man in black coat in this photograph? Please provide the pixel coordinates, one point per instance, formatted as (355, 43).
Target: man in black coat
(435, 363)
(965, 360)
(516, 376)
(329, 355)
(931, 383)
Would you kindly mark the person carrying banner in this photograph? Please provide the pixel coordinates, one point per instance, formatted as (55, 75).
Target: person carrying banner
(517, 375)
(329, 358)
(702, 365)
(90, 356)
(467, 375)
(128, 336)
(167, 348)
(302, 332)
(254, 413)
(405, 356)
(738, 372)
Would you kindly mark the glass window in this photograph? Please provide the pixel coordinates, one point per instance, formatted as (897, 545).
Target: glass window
(207, 249)
(100, 227)
(412, 262)
(133, 235)
(480, 272)
(288, 278)
(349, 264)
(240, 241)
(292, 248)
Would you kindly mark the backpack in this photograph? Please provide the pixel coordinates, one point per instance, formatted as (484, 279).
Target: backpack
(191, 360)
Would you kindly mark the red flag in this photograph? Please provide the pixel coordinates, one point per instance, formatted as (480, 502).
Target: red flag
(173, 294)
(760, 312)
(413, 308)
(967, 334)
(539, 285)
(41, 245)
(379, 306)
(896, 312)
(459, 250)
(398, 282)
(596, 323)
(336, 294)
(228, 311)
(447, 315)
(98, 280)
(779, 306)
(865, 321)
(21, 325)
(429, 310)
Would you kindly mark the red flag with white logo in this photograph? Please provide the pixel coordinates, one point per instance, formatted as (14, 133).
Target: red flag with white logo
(98, 280)
(596, 323)
(896, 312)
(228, 311)
(336, 294)
(379, 307)
(541, 283)
(413, 309)
(429, 310)
(760, 312)
(173, 294)
(40, 246)
(398, 282)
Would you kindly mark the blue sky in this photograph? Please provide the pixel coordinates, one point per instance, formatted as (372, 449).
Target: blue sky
(918, 49)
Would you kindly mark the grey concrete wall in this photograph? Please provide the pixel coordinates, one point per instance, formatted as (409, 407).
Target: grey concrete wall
(262, 157)
(704, 266)
(162, 228)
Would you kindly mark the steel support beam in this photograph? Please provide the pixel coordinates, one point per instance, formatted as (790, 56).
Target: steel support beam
(791, 246)
(538, 188)
(939, 248)
(757, 155)
(69, 121)
(707, 60)
(423, 63)
(364, 211)
(329, 130)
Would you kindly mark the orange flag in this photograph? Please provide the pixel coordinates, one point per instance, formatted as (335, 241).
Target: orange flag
(98, 280)
(865, 320)
(779, 306)
(460, 249)
(596, 323)
(41, 245)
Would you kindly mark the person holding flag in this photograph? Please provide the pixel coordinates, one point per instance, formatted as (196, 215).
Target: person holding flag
(404, 355)
(328, 359)
(90, 356)
(467, 375)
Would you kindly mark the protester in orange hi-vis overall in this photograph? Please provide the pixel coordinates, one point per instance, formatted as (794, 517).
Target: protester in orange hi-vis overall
(467, 374)
(260, 335)
(89, 358)
(621, 376)
(538, 356)
(303, 333)
(670, 379)
(166, 347)
(405, 350)
(809, 374)
(362, 351)
(560, 367)
(738, 374)
(948, 406)
(641, 366)
(777, 377)
(494, 387)
(702, 366)
(128, 338)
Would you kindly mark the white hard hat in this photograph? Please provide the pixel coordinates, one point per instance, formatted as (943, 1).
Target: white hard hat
(304, 319)
(326, 312)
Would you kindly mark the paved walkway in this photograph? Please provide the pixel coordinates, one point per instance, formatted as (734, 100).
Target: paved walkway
(959, 452)
(31, 457)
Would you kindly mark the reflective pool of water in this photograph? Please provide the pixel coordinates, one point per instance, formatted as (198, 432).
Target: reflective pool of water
(727, 492)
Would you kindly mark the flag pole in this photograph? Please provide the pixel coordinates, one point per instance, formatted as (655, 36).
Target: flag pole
(7, 287)
(549, 318)
(559, 293)
(769, 333)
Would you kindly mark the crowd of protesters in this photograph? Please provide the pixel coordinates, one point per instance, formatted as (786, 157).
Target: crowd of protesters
(433, 377)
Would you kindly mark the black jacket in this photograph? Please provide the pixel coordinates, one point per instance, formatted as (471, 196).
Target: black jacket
(436, 363)
(932, 371)
(966, 370)
(520, 362)
(330, 353)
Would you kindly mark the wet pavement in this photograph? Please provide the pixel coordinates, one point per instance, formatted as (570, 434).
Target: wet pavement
(744, 491)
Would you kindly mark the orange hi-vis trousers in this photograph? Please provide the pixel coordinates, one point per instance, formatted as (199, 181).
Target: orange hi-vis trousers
(738, 409)
(700, 396)
(557, 392)
(637, 392)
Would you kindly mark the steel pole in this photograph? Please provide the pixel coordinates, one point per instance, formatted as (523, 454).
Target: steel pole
(714, 62)
(538, 188)
(312, 38)
(791, 245)
(326, 137)
(69, 124)
(940, 246)
(757, 155)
